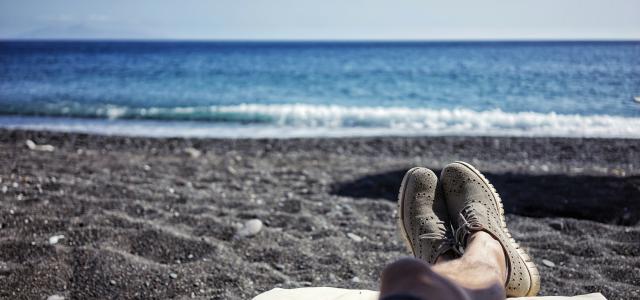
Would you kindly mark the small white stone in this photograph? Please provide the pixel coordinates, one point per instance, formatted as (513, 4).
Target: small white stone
(33, 146)
(193, 152)
(55, 239)
(55, 297)
(4, 189)
(354, 237)
(173, 275)
(355, 279)
(146, 167)
(548, 263)
(250, 228)
(30, 144)
(46, 148)
(232, 170)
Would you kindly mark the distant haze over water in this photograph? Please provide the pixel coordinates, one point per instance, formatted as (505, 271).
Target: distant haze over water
(267, 89)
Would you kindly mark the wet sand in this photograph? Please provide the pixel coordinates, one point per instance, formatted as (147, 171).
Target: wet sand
(154, 218)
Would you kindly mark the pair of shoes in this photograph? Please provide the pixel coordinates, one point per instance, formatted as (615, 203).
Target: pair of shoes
(437, 216)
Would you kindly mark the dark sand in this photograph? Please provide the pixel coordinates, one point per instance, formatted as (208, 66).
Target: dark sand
(137, 212)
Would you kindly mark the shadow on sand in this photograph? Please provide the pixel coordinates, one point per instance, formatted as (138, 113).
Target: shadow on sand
(614, 200)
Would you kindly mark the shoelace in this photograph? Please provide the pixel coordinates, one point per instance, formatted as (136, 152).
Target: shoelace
(440, 235)
(470, 222)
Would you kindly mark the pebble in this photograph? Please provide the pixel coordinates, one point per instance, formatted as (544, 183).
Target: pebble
(231, 170)
(112, 282)
(558, 225)
(35, 147)
(355, 279)
(173, 275)
(354, 237)
(548, 263)
(55, 239)
(619, 172)
(55, 297)
(193, 152)
(305, 283)
(250, 228)
(146, 167)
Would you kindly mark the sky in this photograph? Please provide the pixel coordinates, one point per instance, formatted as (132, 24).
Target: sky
(321, 20)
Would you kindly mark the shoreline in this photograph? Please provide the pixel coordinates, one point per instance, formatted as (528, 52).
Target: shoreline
(151, 217)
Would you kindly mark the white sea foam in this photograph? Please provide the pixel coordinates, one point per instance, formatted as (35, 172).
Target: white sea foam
(412, 121)
(300, 120)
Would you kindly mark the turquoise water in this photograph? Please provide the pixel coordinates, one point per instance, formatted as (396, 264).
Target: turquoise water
(322, 89)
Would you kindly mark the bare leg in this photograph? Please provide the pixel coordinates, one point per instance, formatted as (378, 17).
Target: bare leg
(483, 263)
(478, 275)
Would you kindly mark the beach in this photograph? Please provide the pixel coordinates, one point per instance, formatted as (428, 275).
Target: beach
(110, 217)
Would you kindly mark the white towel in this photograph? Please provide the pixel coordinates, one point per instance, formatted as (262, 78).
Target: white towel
(329, 293)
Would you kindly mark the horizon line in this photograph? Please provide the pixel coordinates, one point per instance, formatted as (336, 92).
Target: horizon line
(262, 40)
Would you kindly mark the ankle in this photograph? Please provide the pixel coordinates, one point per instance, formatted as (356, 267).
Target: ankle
(485, 239)
(487, 244)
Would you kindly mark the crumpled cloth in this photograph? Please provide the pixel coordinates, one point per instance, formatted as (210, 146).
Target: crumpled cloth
(329, 293)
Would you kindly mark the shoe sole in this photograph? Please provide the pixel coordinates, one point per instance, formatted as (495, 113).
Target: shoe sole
(531, 267)
(401, 193)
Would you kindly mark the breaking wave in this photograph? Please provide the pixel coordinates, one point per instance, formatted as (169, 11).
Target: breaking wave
(290, 120)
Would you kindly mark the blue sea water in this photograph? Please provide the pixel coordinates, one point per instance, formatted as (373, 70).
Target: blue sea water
(283, 89)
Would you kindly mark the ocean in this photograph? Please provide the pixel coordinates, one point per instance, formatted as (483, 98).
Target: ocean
(318, 89)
